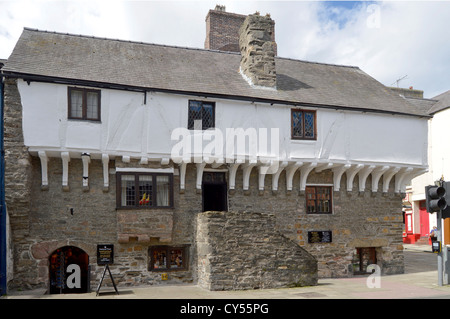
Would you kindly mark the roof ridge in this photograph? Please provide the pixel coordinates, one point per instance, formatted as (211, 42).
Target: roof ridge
(321, 63)
(126, 41)
(442, 94)
(179, 47)
(421, 98)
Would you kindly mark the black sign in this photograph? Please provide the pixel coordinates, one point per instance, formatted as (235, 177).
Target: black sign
(105, 254)
(319, 236)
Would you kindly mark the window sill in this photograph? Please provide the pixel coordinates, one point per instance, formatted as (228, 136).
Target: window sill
(84, 120)
(168, 269)
(298, 140)
(144, 208)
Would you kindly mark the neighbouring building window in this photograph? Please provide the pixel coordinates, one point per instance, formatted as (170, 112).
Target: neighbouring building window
(144, 190)
(201, 112)
(318, 199)
(84, 104)
(167, 258)
(303, 124)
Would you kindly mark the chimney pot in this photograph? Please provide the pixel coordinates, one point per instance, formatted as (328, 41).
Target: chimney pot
(219, 8)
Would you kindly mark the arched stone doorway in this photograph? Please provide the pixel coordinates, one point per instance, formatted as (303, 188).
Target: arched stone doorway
(69, 270)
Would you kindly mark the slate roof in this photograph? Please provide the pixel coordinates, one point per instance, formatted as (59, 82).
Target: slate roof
(424, 104)
(199, 71)
(443, 102)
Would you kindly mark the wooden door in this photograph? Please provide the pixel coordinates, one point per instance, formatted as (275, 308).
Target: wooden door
(424, 220)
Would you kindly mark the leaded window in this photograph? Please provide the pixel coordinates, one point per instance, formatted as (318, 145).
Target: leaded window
(303, 124)
(144, 190)
(201, 115)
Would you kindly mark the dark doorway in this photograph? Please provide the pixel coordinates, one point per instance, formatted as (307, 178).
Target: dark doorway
(365, 256)
(214, 188)
(69, 271)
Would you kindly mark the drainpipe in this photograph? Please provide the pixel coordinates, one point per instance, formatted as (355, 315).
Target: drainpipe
(3, 235)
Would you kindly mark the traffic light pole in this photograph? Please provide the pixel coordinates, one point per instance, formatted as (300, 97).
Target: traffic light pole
(439, 257)
(438, 201)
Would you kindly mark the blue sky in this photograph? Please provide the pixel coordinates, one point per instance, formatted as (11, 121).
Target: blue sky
(340, 11)
(386, 39)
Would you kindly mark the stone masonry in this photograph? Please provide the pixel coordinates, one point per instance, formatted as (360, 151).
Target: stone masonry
(18, 180)
(359, 220)
(257, 51)
(245, 251)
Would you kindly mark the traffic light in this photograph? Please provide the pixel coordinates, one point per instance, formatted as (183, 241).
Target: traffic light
(446, 211)
(435, 198)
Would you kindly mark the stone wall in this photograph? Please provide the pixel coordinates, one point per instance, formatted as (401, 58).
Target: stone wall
(17, 185)
(94, 220)
(409, 93)
(358, 220)
(245, 251)
(257, 51)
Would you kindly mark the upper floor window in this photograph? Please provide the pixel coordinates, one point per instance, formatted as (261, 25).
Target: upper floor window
(318, 199)
(84, 104)
(303, 124)
(201, 115)
(144, 190)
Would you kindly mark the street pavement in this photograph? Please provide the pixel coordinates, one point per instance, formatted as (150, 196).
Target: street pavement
(420, 281)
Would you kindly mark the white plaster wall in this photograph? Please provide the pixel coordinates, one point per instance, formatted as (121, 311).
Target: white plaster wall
(130, 127)
(418, 184)
(366, 137)
(440, 150)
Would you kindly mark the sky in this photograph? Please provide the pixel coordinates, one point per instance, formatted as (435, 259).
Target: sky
(399, 43)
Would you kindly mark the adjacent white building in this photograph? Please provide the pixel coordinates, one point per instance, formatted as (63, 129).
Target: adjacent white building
(418, 222)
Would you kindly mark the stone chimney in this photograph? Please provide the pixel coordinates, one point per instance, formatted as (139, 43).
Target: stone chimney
(411, 92)
(257, 51)
(222, 30)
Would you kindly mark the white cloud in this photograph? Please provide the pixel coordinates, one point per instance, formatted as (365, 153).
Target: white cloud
(399, 38)
(387, 40)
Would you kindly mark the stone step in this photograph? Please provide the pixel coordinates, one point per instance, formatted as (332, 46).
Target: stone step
(422, 241)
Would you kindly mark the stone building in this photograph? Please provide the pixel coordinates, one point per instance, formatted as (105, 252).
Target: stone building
(233, 170)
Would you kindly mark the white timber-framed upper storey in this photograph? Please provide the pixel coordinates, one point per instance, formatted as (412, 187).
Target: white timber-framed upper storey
(320, 116)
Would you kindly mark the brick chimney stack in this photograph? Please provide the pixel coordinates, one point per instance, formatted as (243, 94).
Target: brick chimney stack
(222, 30)
(257, 51)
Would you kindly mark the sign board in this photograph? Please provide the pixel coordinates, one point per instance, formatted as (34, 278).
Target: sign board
(319, 236)
(105, 254)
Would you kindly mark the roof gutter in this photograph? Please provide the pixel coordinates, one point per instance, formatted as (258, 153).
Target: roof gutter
(114, 86)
